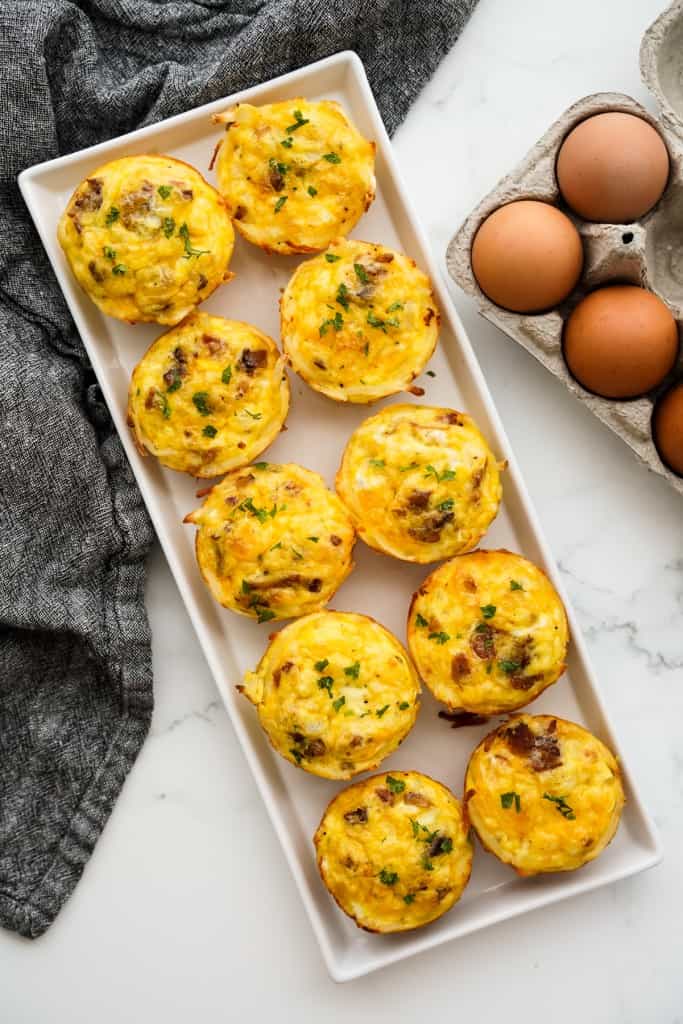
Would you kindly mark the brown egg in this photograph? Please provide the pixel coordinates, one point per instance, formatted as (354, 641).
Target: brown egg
(612, 168)
(527, 256)
(620, 341)
(667, 428)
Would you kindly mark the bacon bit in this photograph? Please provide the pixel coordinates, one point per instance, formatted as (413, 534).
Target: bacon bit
(316, 748)
(428, 317)
(95, 272)
(384, 257)
(418, 499)
(436, 846)
(482, 642)
(277, 181)
(415, 390)
(335, 541)
(552, 726)
(542, 750)
(149, 400)
(285, 667)
(479, 476)
(203, 491)
(297, 737)
(214, 155)
(357, 817)
(460, 719)
(385, 796)
(246, 479)
(440, 893)
(214, 345)
(315, 586)
(356, 741)
(518, 682)
(250, 360)
(454, 418)
(469, 584)
(320, 364)
(241, 444)
(418, 799)
(90, 199)
(460, 667)
(240, 213)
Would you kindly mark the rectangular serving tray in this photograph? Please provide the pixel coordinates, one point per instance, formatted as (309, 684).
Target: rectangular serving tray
(317, 432)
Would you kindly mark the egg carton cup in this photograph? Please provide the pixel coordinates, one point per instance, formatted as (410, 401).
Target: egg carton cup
(647, 252)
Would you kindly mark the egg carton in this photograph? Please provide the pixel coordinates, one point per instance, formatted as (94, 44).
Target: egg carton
(647, 252)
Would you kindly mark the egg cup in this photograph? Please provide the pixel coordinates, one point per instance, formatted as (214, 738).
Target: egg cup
(335, 692)
(394, 851)
(488, 632)
(147, 238)
(543, 794)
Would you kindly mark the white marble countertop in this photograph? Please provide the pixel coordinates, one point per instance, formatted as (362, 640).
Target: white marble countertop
(165, 923)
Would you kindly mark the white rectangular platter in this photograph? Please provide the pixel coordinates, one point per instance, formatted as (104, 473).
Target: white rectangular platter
(317, 432)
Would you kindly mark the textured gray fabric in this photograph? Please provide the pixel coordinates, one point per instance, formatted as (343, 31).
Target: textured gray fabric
(76, 680)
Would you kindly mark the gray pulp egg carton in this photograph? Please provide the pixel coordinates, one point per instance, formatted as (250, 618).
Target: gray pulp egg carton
(647, 252)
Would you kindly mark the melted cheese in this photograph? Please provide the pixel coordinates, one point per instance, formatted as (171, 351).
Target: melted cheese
(549, 820)
(394, 851)
(488, 632)
(273, 541)
(208, 396)
(147, 238)
(295, 174)
(420, 482)
(335, 692)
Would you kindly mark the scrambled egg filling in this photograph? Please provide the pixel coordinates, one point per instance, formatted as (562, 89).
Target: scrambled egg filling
(147, 238)
(488, 632)
(208, 396)
(295, 174)
(394, 851)
(273, 541)
(335, 692)
(420, 482)
(543, 794)
(359, 322)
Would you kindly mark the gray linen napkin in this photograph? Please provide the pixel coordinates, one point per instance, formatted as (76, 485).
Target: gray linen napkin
(75, 664)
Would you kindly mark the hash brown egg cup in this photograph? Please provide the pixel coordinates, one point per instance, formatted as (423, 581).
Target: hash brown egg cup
(208, 396)
(543, 794)
(294, 174)
(335, 692)
(420, 482)
(358, 322)
(147, 238)
(488, 632)
(272, 541)
(394, 851)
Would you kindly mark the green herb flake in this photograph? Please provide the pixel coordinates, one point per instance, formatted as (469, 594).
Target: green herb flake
(120, 269)
(332, 257)
(342, 296)
(161, 403)
(261, 465)
(409, 467)
(361, 273)
(325, 683)
(446, 474)
(109, 253)
(562, 806)
(338, 703)
(394, 306)
(381, 711)
(332, 158)
(320, 666)
(388, 877)
(299, 122)
(168, 225)
(488, 610)
(508, 666)
(226, 376)
(209, 430)
(430, 373)
(376, 321)
(427, 864)
(253, 415)
(246, 587)
(377, 463)
(112, 216)
(265, 615)
(287, 143)
(446, 506)
(352, 670)
(508, 799)
(440, 637)
(337, 323)
(395, 785)
(296, 754)
(314, 540)
(280, 203)
(184, 233)
(514, 585)
(176, 381)
(313, 192)
(164, 191)
(200, 400)
(416, 828)
(409, 898)
(420, 620)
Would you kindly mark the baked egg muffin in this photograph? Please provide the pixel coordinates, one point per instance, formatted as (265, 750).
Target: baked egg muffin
(394, 851)
(147, 238)
(419, 482)
(272, 541)
(208, 396)
(294, 174)
(488, 632)
(335, 692)
(358, 322)
(543, 794)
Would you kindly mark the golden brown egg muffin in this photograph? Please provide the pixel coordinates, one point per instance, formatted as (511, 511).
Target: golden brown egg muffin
(420, 482)
(543, 794)
(295, 174)
(358, 322)
(208, 396)
(273, 542)
(488, 632)
(147, 238)
(335, 692)
(394, 851)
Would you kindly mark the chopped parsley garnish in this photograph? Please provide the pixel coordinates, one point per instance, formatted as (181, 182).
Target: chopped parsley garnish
(287, 143)
(261, 465)
(395, 785)
(112, 216)
(226, 376)
(427, 864)
(296, 754)
(342, 296)
(338, 703)
(246, 587)
(508, 666)
(200, 400)
(265, 615)
(314, 539)
(420, 620)
(562, 806)
(325, 683)
(253, 415)
(109, 253)
(352, 670)
(376, 321)
(404, 705)
(299, 122)
(514, 585)
(164, 191)
(409, 898)
(184, 233)
(446, 506)
(377, 463)
(320, 666)
(280, 203)
(276, 546)
(366, 352)
(297, 554)
(440, 637)
(119, 269)
(260, 513)
(332, 158)
(430, 373)
(168, 225)
(394, 306)
(488, 610)
(331, 257)
(361, 273)
(337, 323)
(388, 877)
(278, 166)
(209, 430)
(176, 381)
(313, 192)
(161, 402)
(381, 711)
(447, 474)
(508, 799)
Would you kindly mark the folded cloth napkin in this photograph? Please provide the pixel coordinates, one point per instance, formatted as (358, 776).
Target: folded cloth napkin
(75, 663)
